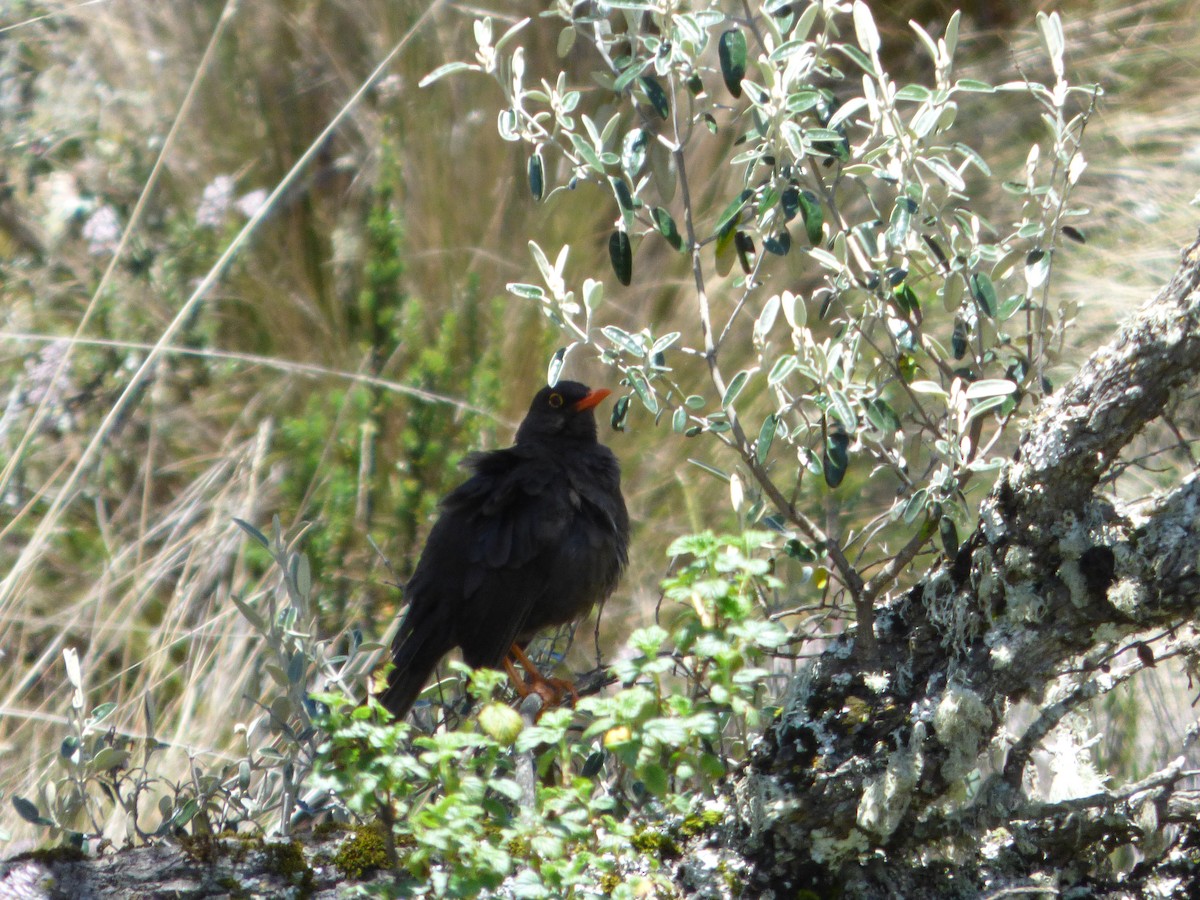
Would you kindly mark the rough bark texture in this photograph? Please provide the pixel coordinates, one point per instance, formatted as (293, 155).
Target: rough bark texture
(860, 787)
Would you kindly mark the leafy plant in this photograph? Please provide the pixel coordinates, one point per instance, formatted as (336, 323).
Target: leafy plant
(896, 329)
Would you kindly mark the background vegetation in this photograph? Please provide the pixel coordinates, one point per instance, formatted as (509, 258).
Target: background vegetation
(358, 343)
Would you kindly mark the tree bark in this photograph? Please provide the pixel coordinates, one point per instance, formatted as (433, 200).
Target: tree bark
(865, 784)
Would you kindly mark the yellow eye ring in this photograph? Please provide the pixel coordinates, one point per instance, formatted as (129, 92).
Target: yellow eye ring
(556, 401)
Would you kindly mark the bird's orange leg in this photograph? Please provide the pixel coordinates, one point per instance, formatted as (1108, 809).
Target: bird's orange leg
(551, 690)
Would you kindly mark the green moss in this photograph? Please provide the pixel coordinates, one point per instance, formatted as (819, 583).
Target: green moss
(63, 853)
(659, 843)
(328, 829)
(287, 860)
(233, 887)
(609, 882)
(364, 851)
(699, 823)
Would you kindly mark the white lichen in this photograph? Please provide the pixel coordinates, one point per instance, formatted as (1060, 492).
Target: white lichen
(1128, 596)
(961, 720)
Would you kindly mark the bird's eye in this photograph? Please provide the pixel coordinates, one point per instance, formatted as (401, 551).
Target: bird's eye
(556, 401)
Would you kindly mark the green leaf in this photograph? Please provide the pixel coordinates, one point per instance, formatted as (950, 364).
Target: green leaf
(641, 387)
(443, 71)
(814, 218)
(990, 387)
(623, 340)
(584, 148)
(864, 28)
(766, 435)
(29, 811)
(901, 220)
(784, 366)
(906, 299)
(621, 254)
(734, 388)
(958, 341)
(730, 213)
(971, 85)
(537, 176)
(881, 415)
(679, 420)
(252, 531)
(949, 535)
(620, 411)
(711, 470)
(836, 458)
(656, 95)
(731, 51)
(843, 410)
(633, 151)
(654, 777)
(1037, 268)
(914, 92)
(666, 227)
(554, 371)
(984, 293)
(528, 291)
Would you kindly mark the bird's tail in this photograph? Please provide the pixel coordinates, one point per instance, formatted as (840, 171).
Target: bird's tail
(414, 657)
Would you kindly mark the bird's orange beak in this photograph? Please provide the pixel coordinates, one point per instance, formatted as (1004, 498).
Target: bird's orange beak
(593, 398)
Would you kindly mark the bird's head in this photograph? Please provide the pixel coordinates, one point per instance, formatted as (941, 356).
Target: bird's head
(565, 410)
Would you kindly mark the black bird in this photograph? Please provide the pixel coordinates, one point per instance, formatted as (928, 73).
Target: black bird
(533, 539)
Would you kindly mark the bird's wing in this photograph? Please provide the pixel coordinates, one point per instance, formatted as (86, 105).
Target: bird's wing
(485, 559)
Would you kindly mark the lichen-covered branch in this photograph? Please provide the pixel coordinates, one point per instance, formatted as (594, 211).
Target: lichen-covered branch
(1055, 575)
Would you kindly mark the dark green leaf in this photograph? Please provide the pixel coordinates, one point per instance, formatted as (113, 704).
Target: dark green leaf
(906, 299)
(593, 764)
(984, 293)
(621, 255)
(656, 95)
(556, 365)
(779, 243)
(537, 176)
(789, 202)
(882, 416)
(666, 227)
(731, 51)
(252, 531)
(836, 457)
(624, 198)
(620, 411)
(958, 340)
(29, 812)
(949, 534)
(766, 435)
(745, 251)
(730, 213)
(814, 218)
(633, 151)
(1074, 234)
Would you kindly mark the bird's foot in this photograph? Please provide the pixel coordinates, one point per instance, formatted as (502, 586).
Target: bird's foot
(551, 690)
